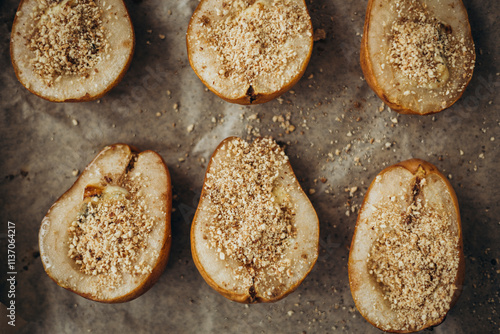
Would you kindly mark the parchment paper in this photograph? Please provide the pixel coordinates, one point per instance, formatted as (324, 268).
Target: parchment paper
(335, 115)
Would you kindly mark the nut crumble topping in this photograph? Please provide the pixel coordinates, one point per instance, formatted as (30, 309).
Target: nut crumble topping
(109, 234)
(68, 38)
(415, 259)
(253, 221)
(253, 37)
(423, 49)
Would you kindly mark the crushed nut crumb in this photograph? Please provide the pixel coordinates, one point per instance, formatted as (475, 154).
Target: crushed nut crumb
(253, 221)
(415, 259)
(253, 37)
(68, 38)
(110, 232)
(423, 49)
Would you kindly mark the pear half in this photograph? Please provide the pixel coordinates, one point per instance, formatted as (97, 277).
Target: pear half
(71, 50)
(418, 56)
(248, 51)
(406, 262)
(108, 237)
(255, 234)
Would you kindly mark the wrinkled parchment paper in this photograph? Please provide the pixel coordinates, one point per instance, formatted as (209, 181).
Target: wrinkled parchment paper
(337, 134)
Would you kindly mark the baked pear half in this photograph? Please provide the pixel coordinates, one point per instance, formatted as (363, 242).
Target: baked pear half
(249, 51)
(406, 262)
(417, 55)
(71, 50)
(108, 237)
(255, 234)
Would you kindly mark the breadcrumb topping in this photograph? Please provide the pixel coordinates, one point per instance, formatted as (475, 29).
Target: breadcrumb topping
(252, 220)
(423, 49)
(415, 259)
(68, 38)
(110, 233)
(254, 37)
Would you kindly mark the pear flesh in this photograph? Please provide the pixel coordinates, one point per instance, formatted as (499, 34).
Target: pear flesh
(418, 56)
(249, 52)
(71, 50)
(243, 265)
(406, 262)
(108, 237)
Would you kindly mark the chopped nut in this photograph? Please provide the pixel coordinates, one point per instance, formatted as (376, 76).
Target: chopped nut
(100, 238)
(252, 38)
(250, 224)
(416, 271)
(352, 190)
(421, 48)
(319, 34)
(68, 38)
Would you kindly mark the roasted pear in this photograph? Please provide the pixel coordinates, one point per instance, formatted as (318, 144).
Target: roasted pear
(248, 51)
(406, 262)
(108, 237)
(71, 50)
(418, 56)
(255, 234)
